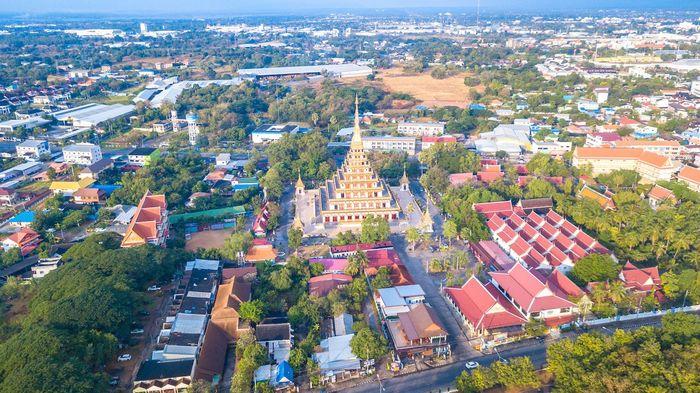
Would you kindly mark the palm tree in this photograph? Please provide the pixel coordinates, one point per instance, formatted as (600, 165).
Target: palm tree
(314, 118)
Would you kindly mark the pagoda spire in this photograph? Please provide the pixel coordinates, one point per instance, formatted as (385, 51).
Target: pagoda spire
(356, 142)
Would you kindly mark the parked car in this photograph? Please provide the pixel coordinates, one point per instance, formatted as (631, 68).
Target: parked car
(471, 365)
(137, 331)
(153, 288)
(114, 381)
(124, 357)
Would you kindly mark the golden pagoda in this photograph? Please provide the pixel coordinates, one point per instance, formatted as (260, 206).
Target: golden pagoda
(355, 191)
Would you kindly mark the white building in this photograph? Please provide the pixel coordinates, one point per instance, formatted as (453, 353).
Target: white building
(555, 148)
(45, 266)
(695, 88)
(390, 143)
(601, 94)
(32, 149)
(394, 300)
(223, 160)
(267, 133)
(82, 154)
(421, 129)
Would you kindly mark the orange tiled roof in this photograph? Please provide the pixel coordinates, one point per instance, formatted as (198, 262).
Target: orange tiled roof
(622, 153)
(602, 200)
(690, 174)
(23, 236)
(144, 224)
(660, 193)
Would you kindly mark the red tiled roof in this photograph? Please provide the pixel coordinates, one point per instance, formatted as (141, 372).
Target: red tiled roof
(529, 292)
(507, 235)
(520, 247)
(495, 224)
(490, 208)
(378, 258)
(535, 219)
(554, 218)
(556, 257)
(324, 284)
(549, 231)
(661, 193)
(457, 179)
(563, 242)
(560, 284)
(534, 258)
(644, 279)
(489, 177)
(484, 308)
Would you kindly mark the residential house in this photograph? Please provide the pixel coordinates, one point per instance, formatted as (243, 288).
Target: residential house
(46, 266)
(276, 337)
(68, 187)
(278, 376)
(394, 300)
(322, 285)
(155, 376)
(149, 223)
(26, 239)
(485, 311)
(336, 362)
(418, 331)
(226, 311)
(88, 196)
(426, 142)
(93, 170)
(658, 196)
(8, 197)
(143, 156)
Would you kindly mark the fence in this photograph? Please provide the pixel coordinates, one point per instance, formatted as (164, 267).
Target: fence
(641, 315)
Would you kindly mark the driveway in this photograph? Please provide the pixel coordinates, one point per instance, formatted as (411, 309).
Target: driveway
(415, 263)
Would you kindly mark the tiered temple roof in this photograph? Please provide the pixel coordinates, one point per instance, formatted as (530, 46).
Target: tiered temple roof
(355, 191)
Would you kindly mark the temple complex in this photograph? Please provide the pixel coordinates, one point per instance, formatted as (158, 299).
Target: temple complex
(356, 191)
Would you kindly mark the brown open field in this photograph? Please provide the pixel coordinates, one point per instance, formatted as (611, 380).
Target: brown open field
(430, 91)
(208, 239)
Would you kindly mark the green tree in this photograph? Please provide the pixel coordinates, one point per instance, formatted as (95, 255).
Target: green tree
(366, 344)
(236, 245)
(252, 311)
(294, 235)
(413, 236)
(382, 279)
(594, 267)
(519, 374)
(374, 229)
(449, 230)
(11, 256)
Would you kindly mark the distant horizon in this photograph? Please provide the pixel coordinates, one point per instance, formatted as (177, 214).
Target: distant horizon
(222, 8)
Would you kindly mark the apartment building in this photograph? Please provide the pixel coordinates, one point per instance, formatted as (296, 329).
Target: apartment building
(82, 154)
(652, 167)
(390, 143)
(421, 129)
(670, 149)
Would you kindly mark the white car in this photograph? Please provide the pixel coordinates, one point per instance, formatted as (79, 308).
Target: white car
(471, 365)
(137, 331)
(153, 288)
(124, 358)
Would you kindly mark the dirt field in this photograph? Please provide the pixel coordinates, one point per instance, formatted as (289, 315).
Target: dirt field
(432, 92)
(208, 239)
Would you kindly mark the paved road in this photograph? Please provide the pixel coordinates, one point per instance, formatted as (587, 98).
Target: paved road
(442, 378)
(281, 240)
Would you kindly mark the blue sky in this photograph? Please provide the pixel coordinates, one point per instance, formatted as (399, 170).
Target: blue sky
(248, 6)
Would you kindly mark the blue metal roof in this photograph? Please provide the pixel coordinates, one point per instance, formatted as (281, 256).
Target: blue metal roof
(25, 216)
(284, 372)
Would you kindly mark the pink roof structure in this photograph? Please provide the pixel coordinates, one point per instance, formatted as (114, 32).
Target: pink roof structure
(331, 265)
(490, 254)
